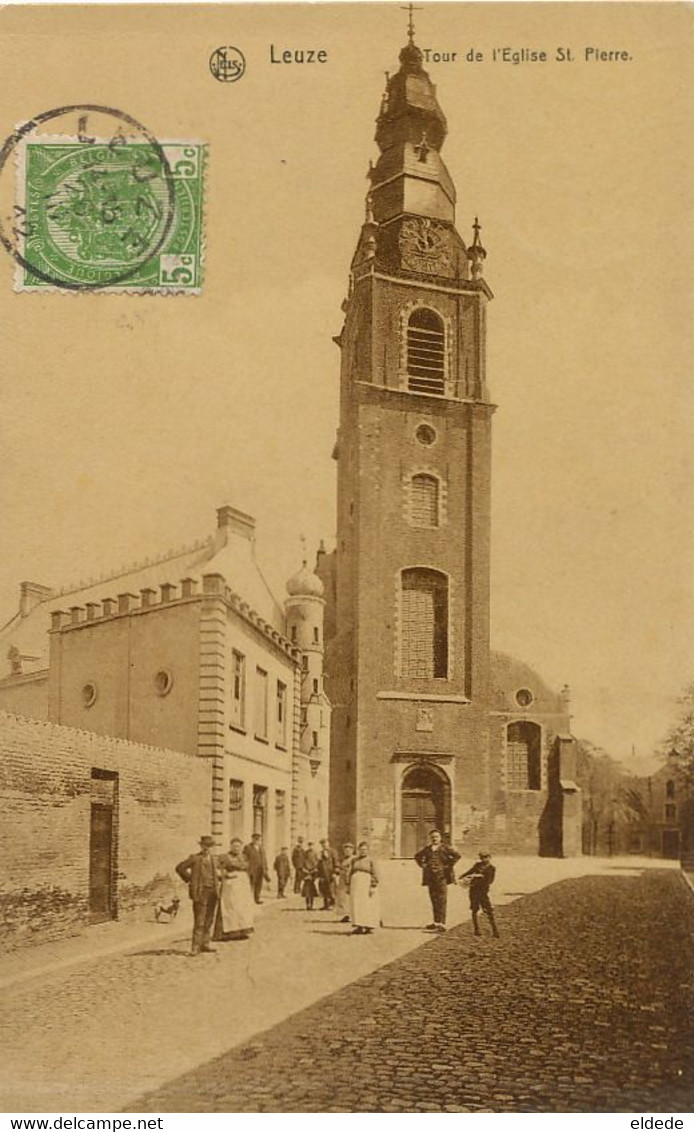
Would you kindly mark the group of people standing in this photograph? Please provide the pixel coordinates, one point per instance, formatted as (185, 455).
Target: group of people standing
(347, 882)
(224, 889)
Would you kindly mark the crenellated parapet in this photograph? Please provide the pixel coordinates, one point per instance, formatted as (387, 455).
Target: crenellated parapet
(168, 594)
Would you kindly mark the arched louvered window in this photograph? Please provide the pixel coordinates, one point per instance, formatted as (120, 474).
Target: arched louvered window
(426, 359)
(424, 500)
(523, 747)
(424, 624)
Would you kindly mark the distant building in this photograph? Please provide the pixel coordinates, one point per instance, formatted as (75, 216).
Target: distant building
(658, 833)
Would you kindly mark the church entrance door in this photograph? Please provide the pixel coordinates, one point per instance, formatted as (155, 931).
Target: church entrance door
(425, 806)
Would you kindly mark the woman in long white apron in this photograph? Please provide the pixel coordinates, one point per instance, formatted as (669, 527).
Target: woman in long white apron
(365, 905)
(236, 899)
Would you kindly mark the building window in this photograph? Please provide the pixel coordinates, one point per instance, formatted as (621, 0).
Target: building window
(670, 811)
(316, 687)
(524, 697)
(259, 809)
(314, 738)
(670, 788)
(163, 682)
(426, 355)
(281, 714)
(89, 695)
(316, 635)
(280, 818)
(235, 808)
(424, 624)
(424, 500)
(304, 663)
(238, 689)
(293, 633)
(523, 761)
(260, 703)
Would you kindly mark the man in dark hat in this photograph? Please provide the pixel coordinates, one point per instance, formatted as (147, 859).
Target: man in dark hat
(200, 873)
(257, 866)
(479, 878)
(298, 855)
(437, 862)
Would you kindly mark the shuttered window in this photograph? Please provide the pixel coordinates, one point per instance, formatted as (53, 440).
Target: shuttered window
(426, 353)
(424, 625)
(424, 501)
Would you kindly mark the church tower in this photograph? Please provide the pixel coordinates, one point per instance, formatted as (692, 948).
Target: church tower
(408, 666)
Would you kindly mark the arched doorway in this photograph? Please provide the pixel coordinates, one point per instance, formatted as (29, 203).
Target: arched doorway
(426, 805)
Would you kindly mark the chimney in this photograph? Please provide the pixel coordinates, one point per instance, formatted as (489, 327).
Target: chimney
(168, 592)
(231, 521)
(92, 610)
(109, 606)
(76, 612)
(127, 602)
(30, 595)
(147, 597)
(188, 587)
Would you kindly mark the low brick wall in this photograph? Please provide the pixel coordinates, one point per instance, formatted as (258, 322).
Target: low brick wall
(46, 794)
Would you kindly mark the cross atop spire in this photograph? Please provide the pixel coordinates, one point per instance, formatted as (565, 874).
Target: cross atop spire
(411, 8)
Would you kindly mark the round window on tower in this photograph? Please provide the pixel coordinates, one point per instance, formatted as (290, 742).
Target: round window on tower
(524, 697)
(426, 435)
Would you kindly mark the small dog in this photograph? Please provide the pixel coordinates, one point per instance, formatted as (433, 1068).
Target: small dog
(171, 910)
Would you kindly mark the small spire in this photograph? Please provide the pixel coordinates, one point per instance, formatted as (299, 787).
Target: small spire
(302, 540)
(476, 253)
(369, 217)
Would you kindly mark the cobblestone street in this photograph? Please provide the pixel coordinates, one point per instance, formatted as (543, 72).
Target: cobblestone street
(584, 1005)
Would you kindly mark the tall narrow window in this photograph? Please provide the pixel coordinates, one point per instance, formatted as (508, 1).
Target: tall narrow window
(260, 809)
(424, 633)
(280, 818)
(281, 714)
(424, 501)
(235, 807)
(260, 704)
(426, 354)
(238, 689)
(523, 770)
(670, 788)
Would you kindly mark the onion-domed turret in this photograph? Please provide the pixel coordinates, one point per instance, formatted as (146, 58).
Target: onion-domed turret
(305, 583)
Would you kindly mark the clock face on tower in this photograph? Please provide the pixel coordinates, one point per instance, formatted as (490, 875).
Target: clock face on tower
(424, 246)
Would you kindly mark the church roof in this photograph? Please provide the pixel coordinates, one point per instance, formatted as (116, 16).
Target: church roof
(512, 679)
(230, 551)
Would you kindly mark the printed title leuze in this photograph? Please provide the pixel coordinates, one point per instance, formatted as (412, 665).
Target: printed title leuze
(513, 55)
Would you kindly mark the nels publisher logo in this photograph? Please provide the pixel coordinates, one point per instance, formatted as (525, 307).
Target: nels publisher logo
(227, 64)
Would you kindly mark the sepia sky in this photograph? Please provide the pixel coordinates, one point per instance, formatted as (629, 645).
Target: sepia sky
(127, 420)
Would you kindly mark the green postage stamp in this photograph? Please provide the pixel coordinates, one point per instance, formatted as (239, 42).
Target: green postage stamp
(123, 216)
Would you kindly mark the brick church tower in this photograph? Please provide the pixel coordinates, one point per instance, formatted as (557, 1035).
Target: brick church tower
(408, 667)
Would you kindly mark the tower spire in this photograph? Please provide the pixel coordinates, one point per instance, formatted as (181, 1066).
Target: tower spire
(411, 8)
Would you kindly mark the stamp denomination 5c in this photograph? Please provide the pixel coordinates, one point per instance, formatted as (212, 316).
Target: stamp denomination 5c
(110, 215)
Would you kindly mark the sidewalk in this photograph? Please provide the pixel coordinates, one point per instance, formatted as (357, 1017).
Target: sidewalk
(404, 903)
